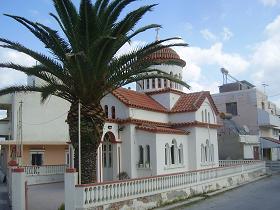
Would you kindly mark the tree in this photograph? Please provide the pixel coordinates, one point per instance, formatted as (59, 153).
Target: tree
(83, 65)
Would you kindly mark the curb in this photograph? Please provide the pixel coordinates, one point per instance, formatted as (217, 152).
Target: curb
(208, 195)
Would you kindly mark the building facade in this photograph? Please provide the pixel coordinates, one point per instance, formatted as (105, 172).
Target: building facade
(251, 110)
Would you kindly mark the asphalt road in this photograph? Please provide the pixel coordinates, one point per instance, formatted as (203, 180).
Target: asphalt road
(261, 195)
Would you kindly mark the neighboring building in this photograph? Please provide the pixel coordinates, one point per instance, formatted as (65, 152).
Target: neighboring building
(155, 130)
(235, 143)
(251, 109)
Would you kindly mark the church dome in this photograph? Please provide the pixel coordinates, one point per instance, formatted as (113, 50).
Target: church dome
(167, 54)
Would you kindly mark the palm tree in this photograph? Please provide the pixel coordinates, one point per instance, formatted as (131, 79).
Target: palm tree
(83, 65)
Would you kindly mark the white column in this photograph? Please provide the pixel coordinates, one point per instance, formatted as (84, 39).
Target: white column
(70, 180)
(18, 189)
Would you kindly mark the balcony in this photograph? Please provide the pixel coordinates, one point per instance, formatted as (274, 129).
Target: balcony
(265, 119)
(249, 139)
(5, 128)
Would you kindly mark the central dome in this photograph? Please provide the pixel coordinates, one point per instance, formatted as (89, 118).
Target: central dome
(167, 54)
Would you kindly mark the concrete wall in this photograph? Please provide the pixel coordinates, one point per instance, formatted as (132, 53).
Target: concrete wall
(246, 107)
(39, 119)
(230, 148)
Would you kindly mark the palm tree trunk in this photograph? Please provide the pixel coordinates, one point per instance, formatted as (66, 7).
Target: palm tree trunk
(92, 122)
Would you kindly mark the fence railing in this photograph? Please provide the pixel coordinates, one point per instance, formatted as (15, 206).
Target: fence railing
(273, 165)
(223, 163)
(104, 193)
(44, 170)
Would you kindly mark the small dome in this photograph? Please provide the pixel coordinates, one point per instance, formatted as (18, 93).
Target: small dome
(167, 54)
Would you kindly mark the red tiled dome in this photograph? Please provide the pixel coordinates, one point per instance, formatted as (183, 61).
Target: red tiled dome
(167, 54)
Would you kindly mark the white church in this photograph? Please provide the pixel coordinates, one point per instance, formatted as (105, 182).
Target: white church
(157, 129)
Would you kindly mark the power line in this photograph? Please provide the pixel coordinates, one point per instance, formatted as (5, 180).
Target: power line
(46, 122)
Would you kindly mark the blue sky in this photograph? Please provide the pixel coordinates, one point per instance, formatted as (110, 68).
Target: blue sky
(242, 36)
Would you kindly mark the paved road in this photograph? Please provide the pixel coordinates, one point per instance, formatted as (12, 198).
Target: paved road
(4, 197)
(45, 196)
(261, 195)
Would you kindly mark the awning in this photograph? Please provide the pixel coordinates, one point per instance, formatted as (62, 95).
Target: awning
(267, 142)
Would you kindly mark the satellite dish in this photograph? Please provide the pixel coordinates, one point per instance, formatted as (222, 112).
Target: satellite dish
(246, 128)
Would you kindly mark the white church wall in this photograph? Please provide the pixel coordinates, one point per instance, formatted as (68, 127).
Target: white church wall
(127, 147)
(121, 109)
(143, 139)
(209, 117)
(182, 117)
(166, 99)
(148, 115)
(161, 141)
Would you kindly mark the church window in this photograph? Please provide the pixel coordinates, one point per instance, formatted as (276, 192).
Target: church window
(159, 82)
(165, 83)
(207, 148)
(166, 154)
(148, 154)
(212, 153)
(202, 115)
(173, 151)
(153, 83)
(208, 117)
(180, 154)
(113, 112)
(106, 111)
(202, 153)
(148, 84)
(141, 155)
(205, 112)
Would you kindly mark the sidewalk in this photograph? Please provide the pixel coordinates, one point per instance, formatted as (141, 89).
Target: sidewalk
(4, 204)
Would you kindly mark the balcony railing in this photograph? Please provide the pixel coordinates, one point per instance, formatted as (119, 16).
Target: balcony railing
(267, 119)
(44, 170)
(93, 195)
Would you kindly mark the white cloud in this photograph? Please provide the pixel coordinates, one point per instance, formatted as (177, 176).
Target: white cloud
(10, 77)
(227, 34)
(208, 35)
(270, 2)
(265, 62)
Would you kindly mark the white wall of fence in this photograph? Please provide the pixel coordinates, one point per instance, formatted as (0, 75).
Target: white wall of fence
(94, 195)
(44, 174)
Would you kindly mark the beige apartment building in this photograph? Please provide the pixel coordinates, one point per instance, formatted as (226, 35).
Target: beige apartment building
(258, 117)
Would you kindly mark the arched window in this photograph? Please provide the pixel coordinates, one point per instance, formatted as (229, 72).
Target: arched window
(212, 153)
(171, 83)
(141, 155)
(202, 115)
(166, 150)
(159, 82)
(208, 117)
(113, 112)
(207, 151)
(202, 153)
(153, 83)
(205, 113)
(147, 84)
(148, 154)
(180, 154)
(106, 111)
(165, 82)
(173, 152)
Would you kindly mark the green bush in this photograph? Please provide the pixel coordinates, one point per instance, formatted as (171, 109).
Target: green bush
(62, 207)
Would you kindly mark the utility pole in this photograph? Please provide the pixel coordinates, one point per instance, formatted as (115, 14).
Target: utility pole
(79, 140)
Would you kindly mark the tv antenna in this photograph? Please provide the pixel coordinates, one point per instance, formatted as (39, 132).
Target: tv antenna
(264, 86)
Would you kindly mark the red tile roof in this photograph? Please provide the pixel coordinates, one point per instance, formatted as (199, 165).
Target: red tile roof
(166, 54)
(191, 102)
(138, 100)
(155, 129)
(165, 90)
(160, 124)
